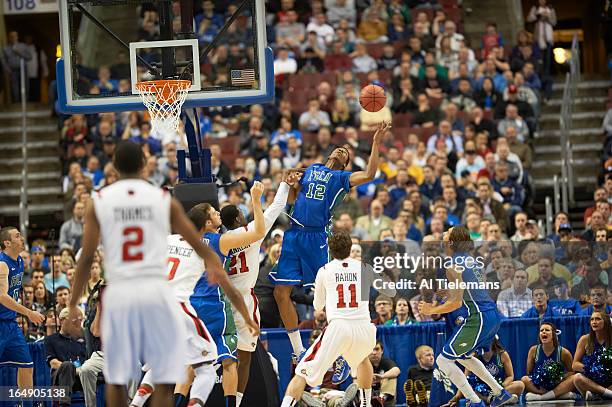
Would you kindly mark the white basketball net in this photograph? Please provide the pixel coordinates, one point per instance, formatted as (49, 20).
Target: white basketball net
(164, 100)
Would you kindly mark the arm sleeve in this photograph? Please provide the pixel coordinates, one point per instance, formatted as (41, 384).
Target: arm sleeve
(319, 292)
(277, 206)
(49, 350)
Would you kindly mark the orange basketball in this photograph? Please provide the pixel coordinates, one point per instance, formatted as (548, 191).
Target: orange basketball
(372, 98)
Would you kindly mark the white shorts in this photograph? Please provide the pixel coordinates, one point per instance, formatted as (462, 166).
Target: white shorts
(141, 323)
(353, 340)
(201, 347)
(246, 341)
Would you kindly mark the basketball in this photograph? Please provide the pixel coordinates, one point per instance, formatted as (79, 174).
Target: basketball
(372, 98)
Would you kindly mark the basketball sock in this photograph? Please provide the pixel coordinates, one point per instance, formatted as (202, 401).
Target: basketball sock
(230, 401)
(238, 399)
(549, 395)
(607, 394)
(478, 368)
(456, 376)
(179, 400)
(141, 397)
(288, 401)
(296, 341)
(365, 397)
(203, 382)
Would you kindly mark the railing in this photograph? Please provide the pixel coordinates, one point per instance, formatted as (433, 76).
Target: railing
(563, 187)
(566, 125)
(24, 217)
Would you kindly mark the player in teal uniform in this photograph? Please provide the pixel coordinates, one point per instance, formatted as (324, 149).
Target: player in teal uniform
(13, 348)
(477, 331)
(210, 301)
(321, 189)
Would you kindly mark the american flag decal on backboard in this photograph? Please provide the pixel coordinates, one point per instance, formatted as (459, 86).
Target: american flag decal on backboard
(243, 77)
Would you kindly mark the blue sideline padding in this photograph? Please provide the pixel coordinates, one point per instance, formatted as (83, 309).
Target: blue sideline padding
(517, 335)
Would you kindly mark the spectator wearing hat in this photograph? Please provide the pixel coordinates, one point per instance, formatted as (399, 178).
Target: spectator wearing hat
(65, 352)
(540, 308)
(38, 262)
(277, 235)
(516, 300)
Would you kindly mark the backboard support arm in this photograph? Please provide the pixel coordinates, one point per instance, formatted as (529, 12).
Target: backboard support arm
(97, 22)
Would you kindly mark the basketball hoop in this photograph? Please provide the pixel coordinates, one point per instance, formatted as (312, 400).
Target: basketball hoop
(164, 100)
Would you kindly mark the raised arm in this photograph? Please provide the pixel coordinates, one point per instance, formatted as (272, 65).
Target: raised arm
(361, 177)
(231, 241)
(216, 274)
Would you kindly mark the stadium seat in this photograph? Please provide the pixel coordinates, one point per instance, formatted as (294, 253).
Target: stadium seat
(228, 145)
(402, 119)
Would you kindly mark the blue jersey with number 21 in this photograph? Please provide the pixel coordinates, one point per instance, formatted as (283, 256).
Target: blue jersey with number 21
(322, 190)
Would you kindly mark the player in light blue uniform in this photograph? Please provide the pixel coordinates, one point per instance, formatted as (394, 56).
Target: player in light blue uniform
(13, 348)
(477, 331)
(322, 188)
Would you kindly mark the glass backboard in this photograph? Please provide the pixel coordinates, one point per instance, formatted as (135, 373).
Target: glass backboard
(109, 45)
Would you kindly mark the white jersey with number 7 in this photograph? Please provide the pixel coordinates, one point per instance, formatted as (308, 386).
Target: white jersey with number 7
(337, 288)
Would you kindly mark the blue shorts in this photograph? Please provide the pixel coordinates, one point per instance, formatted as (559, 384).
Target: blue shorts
(13, 347)
(304, 252)
(216, 313)
(475, 334)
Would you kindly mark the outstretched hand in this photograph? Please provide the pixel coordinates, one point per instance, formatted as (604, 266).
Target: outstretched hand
(383, 127)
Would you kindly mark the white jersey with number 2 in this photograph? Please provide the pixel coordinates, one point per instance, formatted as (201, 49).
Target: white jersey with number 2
(134, 218)
(337, 288)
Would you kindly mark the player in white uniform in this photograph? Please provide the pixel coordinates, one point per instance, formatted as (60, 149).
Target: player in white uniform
(350, 333)
(185, 274)
(140, 318)
(242, 266)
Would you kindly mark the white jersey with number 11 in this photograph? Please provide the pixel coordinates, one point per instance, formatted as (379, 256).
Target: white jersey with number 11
(337, 288)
